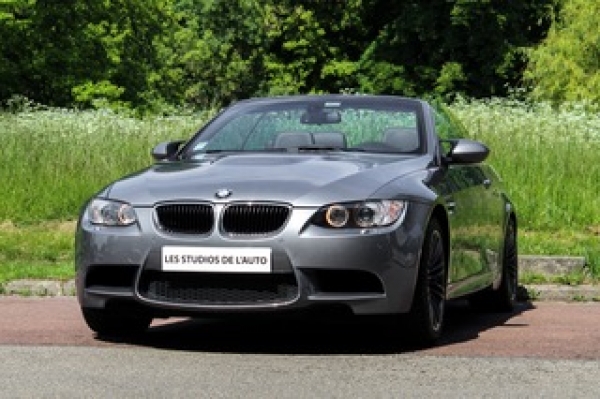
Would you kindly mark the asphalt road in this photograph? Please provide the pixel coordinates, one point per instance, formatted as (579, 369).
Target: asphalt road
(540, 350)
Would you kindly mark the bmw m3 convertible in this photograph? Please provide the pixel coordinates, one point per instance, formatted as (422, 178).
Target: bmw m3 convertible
(376, 205)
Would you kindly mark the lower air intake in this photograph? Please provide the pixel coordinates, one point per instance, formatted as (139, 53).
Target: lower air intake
(218, 289)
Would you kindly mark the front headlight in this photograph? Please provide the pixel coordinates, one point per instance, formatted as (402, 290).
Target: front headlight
(111, 213)
(365, 214)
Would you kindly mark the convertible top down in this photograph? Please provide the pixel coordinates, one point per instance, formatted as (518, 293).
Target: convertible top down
(377, 205)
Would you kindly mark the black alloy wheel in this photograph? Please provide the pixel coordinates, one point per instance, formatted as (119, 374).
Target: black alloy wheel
(427, 314)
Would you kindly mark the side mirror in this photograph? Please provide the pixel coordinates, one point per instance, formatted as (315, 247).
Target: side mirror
(166, 149)
(467, 151)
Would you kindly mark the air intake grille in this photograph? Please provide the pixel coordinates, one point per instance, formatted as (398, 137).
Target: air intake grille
(254, 219)
(185, 218)
(218, 289)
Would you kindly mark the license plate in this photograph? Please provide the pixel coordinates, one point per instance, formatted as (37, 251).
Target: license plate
(207, 259)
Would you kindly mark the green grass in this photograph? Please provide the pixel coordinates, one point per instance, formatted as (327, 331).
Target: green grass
(36, 271)
(573, 278)
(37, 251)
(53, 160)
(549, 159)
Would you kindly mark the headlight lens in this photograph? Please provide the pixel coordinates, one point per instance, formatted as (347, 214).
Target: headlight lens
(111, 213)
(337, 215)
(368, 214)
(365, 214)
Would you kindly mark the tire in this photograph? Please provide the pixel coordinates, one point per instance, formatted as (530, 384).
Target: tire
(105, 323)
(503, 299)
(426, 318)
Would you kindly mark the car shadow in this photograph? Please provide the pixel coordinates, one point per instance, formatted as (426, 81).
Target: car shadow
(310, 336)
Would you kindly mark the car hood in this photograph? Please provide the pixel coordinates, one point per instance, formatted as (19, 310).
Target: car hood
(299, 179)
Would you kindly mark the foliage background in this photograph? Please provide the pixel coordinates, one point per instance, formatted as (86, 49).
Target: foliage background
(156, 55)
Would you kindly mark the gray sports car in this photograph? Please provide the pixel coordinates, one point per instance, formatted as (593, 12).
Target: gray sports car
(372, 205)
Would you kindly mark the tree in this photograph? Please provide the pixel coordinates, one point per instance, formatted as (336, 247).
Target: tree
(215, 53)
(312, 45)
(419, 47)
(74, 52)
(152, 54)
(235, 49)
(566, 66)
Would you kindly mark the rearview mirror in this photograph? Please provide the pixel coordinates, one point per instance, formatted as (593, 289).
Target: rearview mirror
(321, 117)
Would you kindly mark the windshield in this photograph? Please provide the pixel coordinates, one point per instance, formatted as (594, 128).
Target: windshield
(389, 127)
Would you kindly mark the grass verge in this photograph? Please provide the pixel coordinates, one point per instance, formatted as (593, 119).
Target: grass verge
(36, 271)
(36, 251)
(573, 278)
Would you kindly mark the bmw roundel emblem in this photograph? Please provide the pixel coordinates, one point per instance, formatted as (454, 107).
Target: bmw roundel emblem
(223, 193)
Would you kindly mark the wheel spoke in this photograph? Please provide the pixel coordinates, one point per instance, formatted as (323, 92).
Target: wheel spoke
(427, 314)
(436, 283)
(511, 260)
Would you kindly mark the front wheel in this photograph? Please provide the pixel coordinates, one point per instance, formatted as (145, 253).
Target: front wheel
(106, 323)
(426, 318)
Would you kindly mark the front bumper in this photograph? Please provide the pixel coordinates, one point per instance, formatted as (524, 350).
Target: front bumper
(367, 272)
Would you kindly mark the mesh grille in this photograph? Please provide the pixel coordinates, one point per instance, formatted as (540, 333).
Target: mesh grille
(254, 219)
(218, 289)
(185, 218)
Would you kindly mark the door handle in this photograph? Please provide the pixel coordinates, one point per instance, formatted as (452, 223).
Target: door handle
(487, 183)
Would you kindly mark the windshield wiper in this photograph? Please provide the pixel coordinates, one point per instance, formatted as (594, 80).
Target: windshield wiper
(192, 154)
